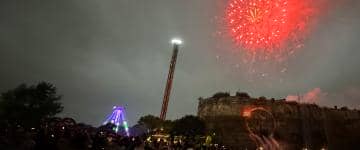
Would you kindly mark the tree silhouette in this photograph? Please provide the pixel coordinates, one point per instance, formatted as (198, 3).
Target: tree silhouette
(189, 126)
(150, 121)
(27, 105)
(221, 94)
(155, 124)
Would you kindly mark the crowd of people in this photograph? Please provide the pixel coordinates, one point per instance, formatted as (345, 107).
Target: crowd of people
(66, 134)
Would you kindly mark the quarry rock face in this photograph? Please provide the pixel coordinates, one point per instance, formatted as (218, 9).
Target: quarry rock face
(242, 122)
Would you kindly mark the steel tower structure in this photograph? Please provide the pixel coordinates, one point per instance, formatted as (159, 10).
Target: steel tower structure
(176, 43)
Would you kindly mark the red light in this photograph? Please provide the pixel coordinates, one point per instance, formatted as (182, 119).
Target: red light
(251, 22)
(247, 113)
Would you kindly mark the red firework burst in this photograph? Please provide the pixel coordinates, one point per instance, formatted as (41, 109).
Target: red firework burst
(266, 24)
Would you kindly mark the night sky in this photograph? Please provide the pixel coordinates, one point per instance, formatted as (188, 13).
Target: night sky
(101, 53)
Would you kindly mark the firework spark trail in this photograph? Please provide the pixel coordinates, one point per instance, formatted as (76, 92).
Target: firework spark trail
(250, 55)
(268, 29)
(266, 143)
(265, 34)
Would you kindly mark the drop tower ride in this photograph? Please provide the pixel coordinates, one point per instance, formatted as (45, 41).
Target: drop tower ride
(176, 44)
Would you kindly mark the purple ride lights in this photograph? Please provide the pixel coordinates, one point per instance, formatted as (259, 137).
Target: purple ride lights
(117, 118)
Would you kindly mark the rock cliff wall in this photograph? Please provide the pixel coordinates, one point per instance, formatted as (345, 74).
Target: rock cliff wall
(242, 122)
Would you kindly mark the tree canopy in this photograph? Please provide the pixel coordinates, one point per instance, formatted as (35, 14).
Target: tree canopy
(27, 105)
(189, 126)
(150, 121)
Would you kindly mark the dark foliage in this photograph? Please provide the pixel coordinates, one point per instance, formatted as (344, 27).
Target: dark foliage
(150, 121)
(221, 94)
(242, 94)
(27, 105)
(189, 126)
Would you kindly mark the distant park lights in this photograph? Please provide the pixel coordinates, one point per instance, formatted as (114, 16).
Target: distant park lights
(176, 41)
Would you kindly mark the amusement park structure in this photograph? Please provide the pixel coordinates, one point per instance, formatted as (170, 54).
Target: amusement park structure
(117, 118)
(244, 122)
(176, 43)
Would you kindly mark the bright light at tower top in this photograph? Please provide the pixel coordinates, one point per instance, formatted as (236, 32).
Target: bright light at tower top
(176, 41)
